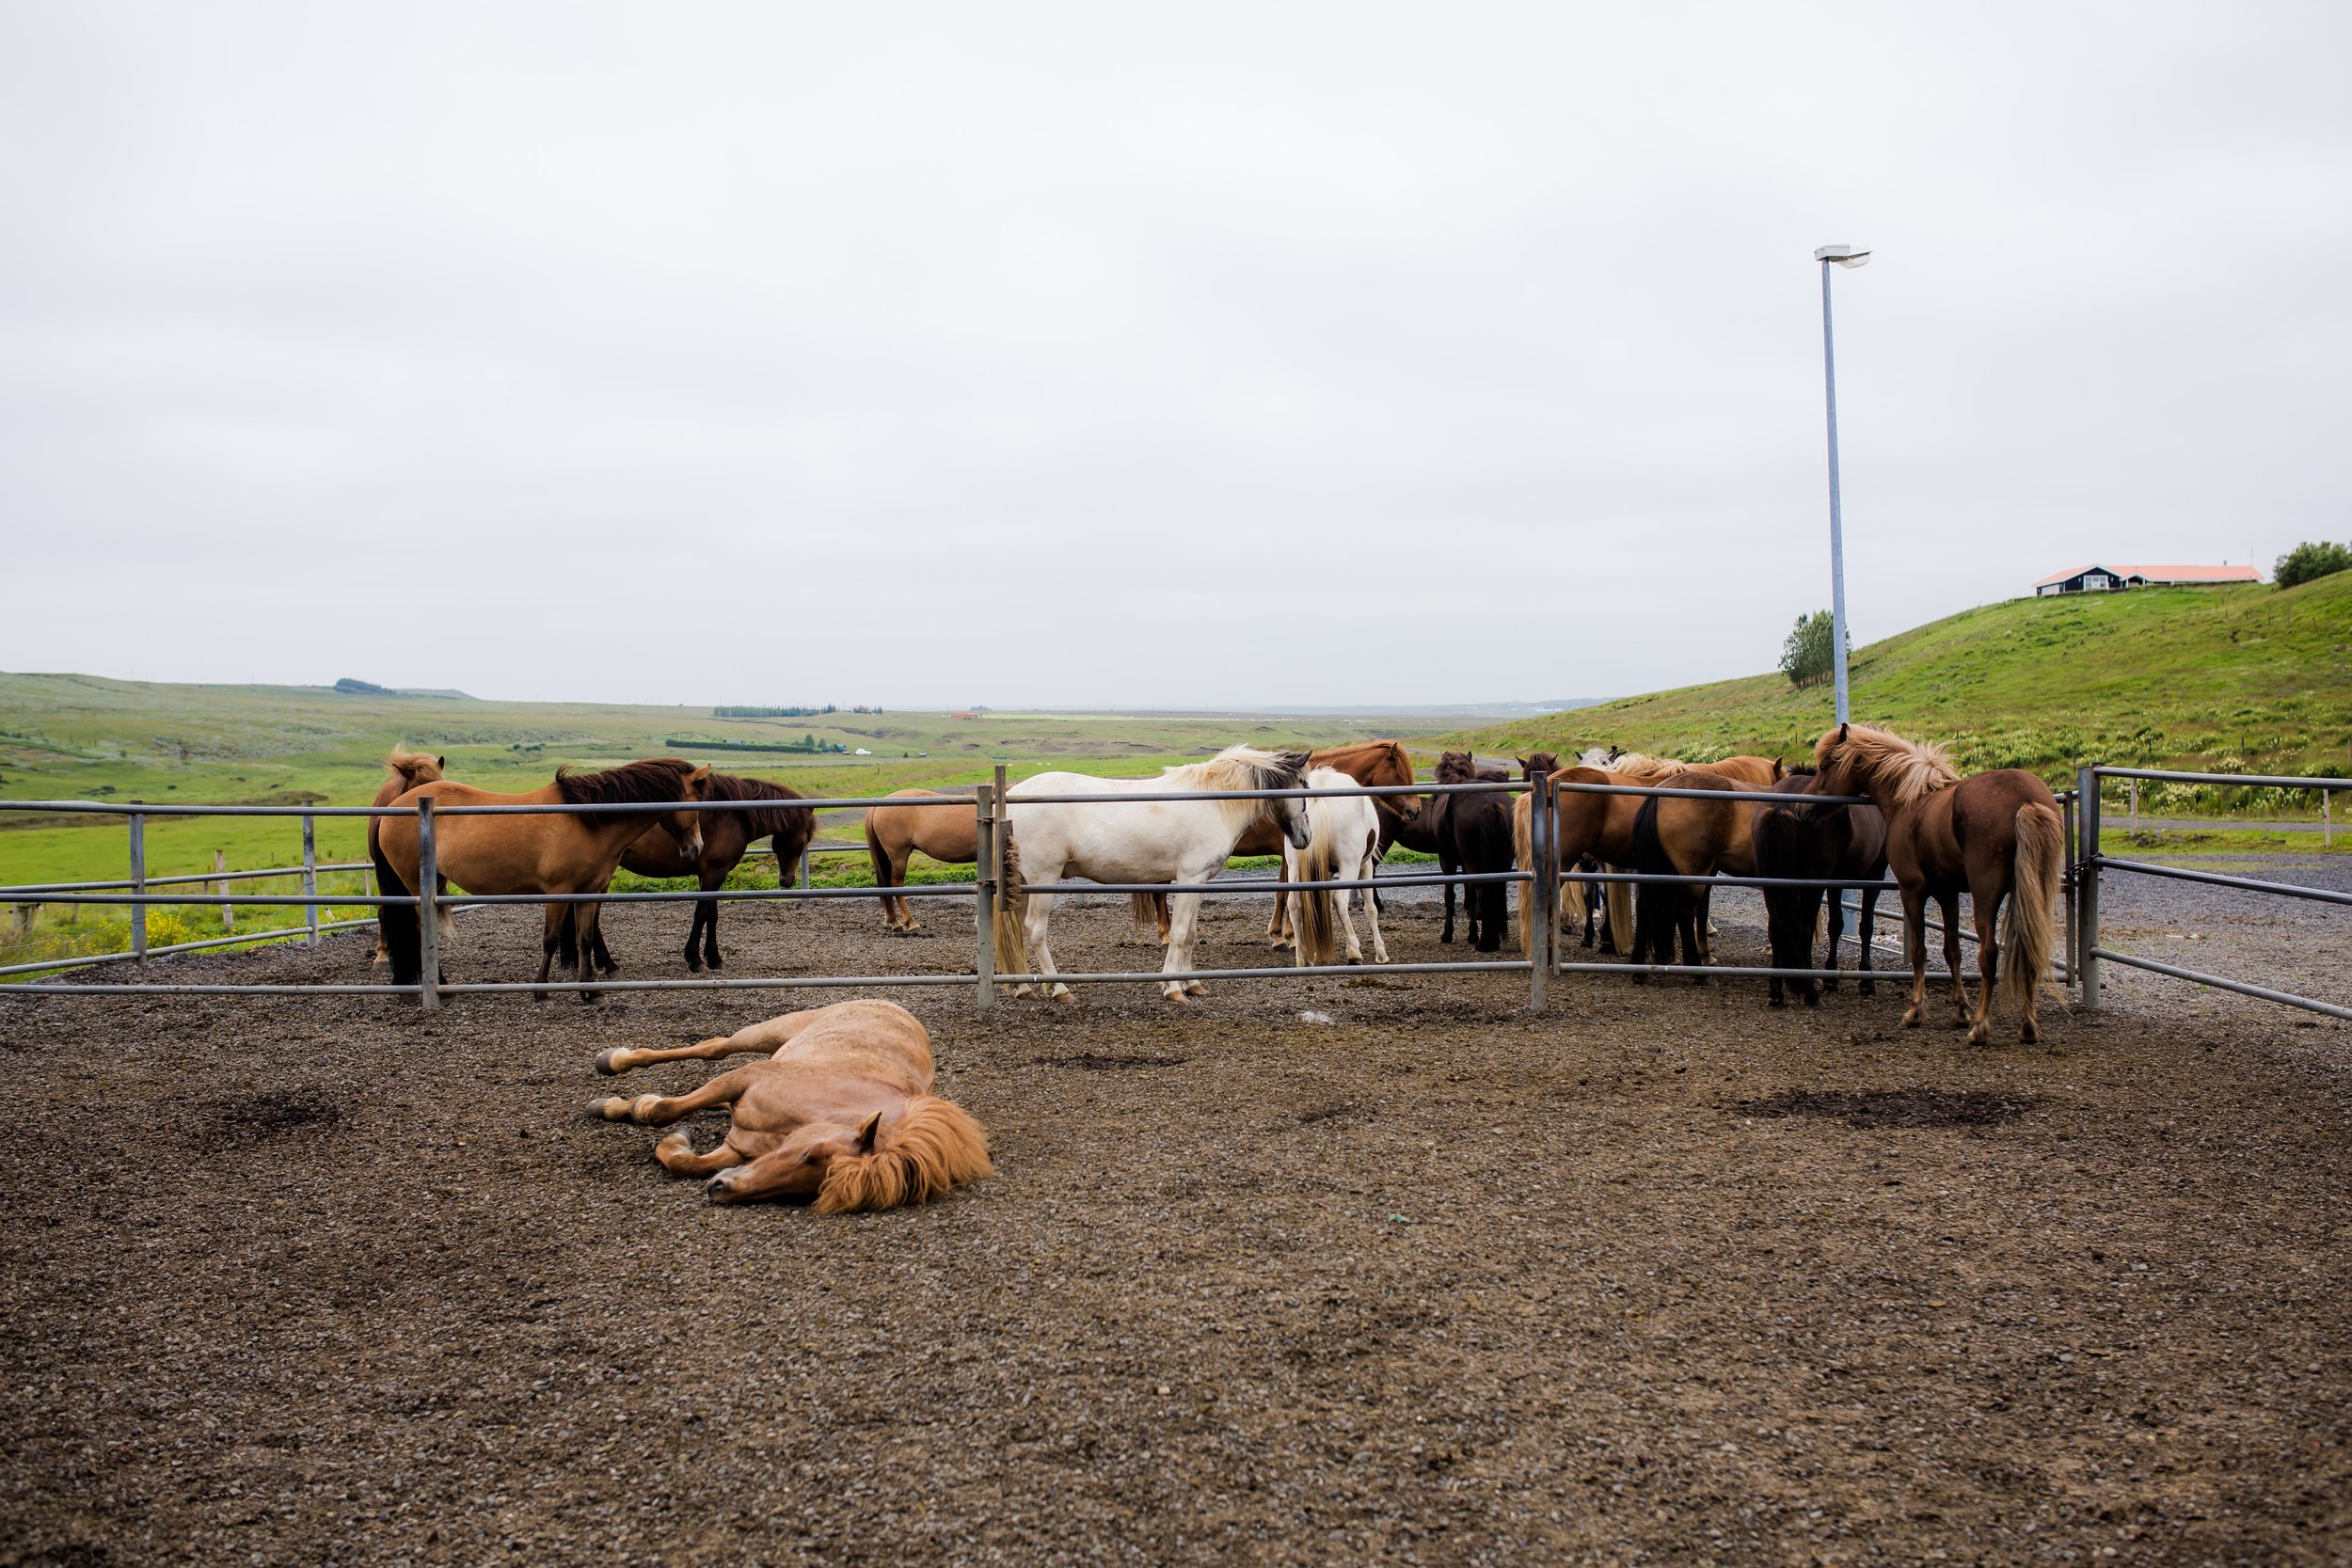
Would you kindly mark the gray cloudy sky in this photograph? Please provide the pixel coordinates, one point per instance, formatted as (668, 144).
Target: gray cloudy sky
(1124, 356)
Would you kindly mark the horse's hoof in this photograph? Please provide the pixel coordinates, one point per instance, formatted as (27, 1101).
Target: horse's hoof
(604, 1061)
(1911, 1019)
(609, 1108)
(719, 1190)
(1775, 1002)
(1177, 997)
(2029, 1036)
(1865, 988)
(1064, 995)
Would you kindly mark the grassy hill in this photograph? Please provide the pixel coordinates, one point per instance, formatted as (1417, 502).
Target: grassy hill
(2251, 679)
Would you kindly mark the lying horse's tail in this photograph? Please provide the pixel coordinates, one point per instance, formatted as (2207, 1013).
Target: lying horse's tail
(1013, 954)
(397, 924)
(2033, 888)
(1314, 916)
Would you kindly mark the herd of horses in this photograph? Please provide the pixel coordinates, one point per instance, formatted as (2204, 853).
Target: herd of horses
(842, 1113)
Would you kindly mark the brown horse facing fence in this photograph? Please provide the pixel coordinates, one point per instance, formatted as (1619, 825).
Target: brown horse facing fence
(1996, 835)
(893, 834)
(727, 836)
(408, 769)
(841, 1113)
(562, 852)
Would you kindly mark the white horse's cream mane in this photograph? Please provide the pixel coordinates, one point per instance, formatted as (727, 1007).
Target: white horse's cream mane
(1238, 767)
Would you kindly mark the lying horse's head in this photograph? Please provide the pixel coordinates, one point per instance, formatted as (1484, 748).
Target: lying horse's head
(934, 1146)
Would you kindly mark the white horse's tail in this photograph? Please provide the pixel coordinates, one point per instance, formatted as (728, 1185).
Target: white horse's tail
(1012, 953)
(1316, 916)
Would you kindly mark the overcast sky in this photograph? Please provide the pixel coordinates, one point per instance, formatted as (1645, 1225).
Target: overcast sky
(1136, 355)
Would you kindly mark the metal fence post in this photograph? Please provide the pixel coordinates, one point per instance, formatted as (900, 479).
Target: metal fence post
(310, 877)
(138, 885)
(1542, 895)
(2087, 894)
(803, 870)
(428, 911)
(984, 894)
(228, 912)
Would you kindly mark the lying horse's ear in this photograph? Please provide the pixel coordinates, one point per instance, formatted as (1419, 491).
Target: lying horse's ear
(865, 1134)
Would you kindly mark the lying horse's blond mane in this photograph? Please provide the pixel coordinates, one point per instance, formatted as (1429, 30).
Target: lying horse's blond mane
(1906, 769)
(1239, 767)
(934, 1147)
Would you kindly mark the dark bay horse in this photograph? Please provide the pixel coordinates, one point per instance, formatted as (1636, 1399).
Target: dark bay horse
(534, 851)
(1432, 832)
(1478, 826)
(727, 835)
(1997, 836)
(1798, 837)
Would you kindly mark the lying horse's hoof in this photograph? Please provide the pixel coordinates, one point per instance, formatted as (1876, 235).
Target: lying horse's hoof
(719, 1190)
(604, 1061)
(609, 1108)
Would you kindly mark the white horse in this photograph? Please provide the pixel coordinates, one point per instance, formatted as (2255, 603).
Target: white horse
(1151, 841)
(1344, 843)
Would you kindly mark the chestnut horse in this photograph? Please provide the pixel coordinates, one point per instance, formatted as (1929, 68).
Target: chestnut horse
(841, 1112)
(727, 835)
(895, 833)
(409, 770)
(1997, 834)
(534, 851)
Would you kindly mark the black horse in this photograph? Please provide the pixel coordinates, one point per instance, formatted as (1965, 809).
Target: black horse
(1432, 831)
(1797, 837)
(1479, 828)
(727, 836)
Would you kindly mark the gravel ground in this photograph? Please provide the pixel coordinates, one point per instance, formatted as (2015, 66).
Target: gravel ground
(1659, 1274)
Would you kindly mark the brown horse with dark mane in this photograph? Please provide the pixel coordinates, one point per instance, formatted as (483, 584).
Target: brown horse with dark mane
(534, 851)
(1997, 836)
(1797, 836)
(1478, 838)
(727, 835)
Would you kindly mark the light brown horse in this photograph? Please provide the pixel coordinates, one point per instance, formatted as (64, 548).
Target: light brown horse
(536, 851)
(895, 833)
(1997, 834)
(842, 1111)
(1367, 762)
(408, 769)
(726, 836)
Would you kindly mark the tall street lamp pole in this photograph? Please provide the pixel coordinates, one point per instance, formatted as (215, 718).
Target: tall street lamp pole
(1844, 256)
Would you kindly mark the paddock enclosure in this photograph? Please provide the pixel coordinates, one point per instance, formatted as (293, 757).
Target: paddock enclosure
(1653, 1274)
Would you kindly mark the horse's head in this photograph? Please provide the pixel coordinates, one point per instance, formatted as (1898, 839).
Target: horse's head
(1539, 762)
(797, 1166)
(1288, 772)
(1392, 766)
(686, 827)
(1833, 763)
(1456, 768)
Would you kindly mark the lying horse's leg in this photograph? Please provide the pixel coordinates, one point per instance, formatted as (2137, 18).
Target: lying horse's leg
(677, 1156)
(766, 1037)
(653, 1110)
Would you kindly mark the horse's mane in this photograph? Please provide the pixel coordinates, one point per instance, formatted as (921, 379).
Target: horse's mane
(936, 1146)
(413, 768)
(761, 823)
(1240, 767)
(1906, 769)
(646, 779)
(1641, 765)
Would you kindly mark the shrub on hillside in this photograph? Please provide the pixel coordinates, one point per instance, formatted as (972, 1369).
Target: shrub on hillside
(1807, 658)
(2308, 561)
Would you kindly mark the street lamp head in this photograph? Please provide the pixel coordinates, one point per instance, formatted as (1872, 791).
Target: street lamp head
(1844, 255)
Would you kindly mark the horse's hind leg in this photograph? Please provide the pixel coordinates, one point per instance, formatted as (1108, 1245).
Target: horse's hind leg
(709, 909)
(559, 937)
(1949, 904)
(591, 915)
(1277, 926)
(1371, 911)
(1915, 951)
(1864, 934)
(1988, 965)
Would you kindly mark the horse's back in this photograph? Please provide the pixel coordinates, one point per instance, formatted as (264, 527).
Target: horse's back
(867, 1038)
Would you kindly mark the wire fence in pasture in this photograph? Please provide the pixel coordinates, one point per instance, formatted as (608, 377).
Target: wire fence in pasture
(2093, 864)
(990, 805)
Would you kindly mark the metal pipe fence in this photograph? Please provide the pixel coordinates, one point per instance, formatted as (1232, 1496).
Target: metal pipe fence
(2093, 863)
(992, 806)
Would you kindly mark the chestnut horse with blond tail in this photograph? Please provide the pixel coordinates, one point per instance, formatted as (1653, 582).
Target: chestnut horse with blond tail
(841, 1112)
(408, 769)
(1997, 836)
(893, 834)
(534, 851)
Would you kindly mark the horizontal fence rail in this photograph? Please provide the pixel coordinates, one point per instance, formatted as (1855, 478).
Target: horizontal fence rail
(2092, 865)
(995, 808)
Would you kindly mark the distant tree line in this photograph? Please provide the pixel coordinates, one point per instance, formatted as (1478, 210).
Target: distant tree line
(1808, 658)
(2308, 561)
(785, 712)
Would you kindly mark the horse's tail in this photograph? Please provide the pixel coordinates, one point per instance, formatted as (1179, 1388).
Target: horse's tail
(1523, 856)
(2033, 889)
(881, 857)
(1012, 953)
(1618, 901)
(1317, 915)
(1144, 913)
(397, 924)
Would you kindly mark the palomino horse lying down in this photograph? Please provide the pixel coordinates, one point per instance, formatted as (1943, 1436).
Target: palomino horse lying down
(841, 1112)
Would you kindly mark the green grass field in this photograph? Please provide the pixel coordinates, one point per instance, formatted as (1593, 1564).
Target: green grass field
(2251, 679)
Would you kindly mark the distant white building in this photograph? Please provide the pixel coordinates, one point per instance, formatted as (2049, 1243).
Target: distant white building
(2098, 577)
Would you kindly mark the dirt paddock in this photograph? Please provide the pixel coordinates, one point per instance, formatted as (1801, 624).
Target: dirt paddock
(1660, 1275)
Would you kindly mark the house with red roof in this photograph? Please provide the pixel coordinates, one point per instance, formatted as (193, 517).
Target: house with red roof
(2100, 577)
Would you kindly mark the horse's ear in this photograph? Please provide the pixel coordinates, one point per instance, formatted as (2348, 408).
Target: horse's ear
(699, 774)
(865, 1134)
(1842, 730)
(441, 761)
